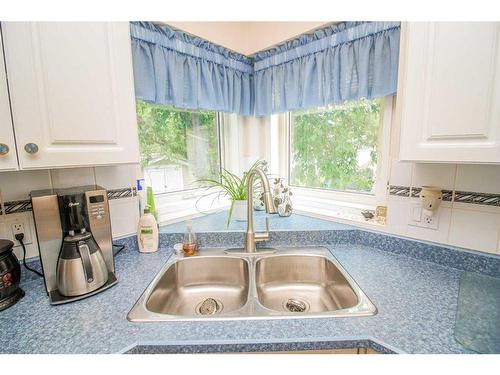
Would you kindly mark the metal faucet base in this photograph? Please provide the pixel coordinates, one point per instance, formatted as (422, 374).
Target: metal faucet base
(242, 252)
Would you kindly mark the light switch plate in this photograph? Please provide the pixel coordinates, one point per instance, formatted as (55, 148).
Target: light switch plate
(416, 213)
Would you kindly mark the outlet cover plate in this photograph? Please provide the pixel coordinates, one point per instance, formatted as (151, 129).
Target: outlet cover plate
(7, 228)
(419, 218)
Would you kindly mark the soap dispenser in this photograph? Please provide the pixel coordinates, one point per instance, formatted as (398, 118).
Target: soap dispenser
(190, 243)
(147, 232)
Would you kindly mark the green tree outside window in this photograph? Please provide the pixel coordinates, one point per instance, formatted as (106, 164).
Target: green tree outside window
(336, 147)
(187, 140)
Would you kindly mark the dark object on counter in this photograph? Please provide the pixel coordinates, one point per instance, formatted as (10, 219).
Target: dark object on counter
(478, 317)
(368, 214)
(117, 249)
(10, 276)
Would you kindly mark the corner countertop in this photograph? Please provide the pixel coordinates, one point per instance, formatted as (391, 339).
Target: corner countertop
(416, 301)
(217, 222)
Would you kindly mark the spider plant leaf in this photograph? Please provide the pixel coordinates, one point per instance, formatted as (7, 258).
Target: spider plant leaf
(230, 213)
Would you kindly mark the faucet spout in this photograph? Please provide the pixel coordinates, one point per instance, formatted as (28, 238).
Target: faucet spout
(251, 237)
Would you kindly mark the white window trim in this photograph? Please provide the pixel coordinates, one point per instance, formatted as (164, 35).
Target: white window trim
(330, 203)
(179, 205)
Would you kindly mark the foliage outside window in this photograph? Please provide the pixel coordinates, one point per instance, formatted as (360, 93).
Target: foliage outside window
(178, 147)
(336, 147)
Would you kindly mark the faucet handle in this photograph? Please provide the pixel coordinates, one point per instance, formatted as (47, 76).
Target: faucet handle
(263, 236)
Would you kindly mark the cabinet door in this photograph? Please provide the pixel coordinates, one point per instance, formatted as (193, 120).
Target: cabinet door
(448, 92)
(72, 93)
(8, 157)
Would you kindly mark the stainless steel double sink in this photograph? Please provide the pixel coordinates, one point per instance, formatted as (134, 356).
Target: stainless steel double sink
(290, 283)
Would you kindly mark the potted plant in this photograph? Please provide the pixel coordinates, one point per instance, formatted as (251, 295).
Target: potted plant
(235, 188)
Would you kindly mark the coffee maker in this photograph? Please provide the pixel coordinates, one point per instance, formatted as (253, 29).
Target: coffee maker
(73, 229)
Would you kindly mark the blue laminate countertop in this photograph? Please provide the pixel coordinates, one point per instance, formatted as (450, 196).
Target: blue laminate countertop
(416, 301)
(217, 222)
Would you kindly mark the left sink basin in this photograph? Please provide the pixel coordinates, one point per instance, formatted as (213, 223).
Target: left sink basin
(201, 286)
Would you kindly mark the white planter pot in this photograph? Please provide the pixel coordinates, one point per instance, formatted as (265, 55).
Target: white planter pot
(240, 210)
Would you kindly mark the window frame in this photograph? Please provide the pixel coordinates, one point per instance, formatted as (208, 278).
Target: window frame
(174, 206)
(196, 191)
(318, 197)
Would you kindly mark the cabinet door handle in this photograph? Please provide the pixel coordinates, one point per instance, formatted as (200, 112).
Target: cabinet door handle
(4, 149)
(31, 148)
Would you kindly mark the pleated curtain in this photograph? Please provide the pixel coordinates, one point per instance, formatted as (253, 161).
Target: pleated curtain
(345, 61)
(172, 67)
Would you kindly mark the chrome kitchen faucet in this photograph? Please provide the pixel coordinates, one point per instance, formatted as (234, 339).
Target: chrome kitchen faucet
(251, 237)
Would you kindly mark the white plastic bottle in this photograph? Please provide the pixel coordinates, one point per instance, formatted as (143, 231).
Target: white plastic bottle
(147, 233)
(141, 192)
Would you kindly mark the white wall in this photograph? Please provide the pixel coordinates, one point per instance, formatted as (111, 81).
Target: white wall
(124, 212)
(246, 139)
(247, 38)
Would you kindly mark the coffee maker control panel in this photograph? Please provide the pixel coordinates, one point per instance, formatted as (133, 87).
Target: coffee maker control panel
(100, 223)
(97, 206)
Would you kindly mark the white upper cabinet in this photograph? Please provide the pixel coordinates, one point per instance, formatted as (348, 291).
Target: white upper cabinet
(449, 92)
(8, 156)
(72, 93)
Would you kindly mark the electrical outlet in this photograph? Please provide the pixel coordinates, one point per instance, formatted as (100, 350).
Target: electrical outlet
(430, 221)
(17, 228)
(419, 218)
(16, 223)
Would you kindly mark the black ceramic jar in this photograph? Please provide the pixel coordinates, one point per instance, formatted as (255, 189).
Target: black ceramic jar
(10, 276)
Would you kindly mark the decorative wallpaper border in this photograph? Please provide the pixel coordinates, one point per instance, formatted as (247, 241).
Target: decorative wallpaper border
(477, 198)
(449, 195)
(122, 193)
(400, 191)
(15, 207)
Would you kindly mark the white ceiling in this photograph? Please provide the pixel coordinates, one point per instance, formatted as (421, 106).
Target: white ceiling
(247, 37)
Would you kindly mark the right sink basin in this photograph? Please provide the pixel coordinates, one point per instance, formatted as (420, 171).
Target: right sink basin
(302, 283)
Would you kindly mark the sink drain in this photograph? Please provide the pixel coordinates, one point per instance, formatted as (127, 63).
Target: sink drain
(209, 306)
(296, 305)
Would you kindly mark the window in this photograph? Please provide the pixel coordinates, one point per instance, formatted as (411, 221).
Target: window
(336, 147)
(336, 158)
(177, 146)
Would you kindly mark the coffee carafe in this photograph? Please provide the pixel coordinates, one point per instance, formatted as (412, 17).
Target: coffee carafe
(81, 267)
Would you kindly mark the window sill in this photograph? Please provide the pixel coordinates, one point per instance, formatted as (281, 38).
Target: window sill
(339, 211)
(175, 207)
(179, 206)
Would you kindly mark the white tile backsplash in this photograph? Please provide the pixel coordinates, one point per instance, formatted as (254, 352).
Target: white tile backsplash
(475, 230)
(116, 177)
(467, 225)
(124, 212)
(398, 210)
(436, 235)
(478, 178)
(442, 175)
(401, 173)
(124, 216)
(65, 178)
(17, 185)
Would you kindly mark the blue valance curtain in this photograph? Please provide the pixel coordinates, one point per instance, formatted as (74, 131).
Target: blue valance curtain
(347, 61)
(172, 67)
